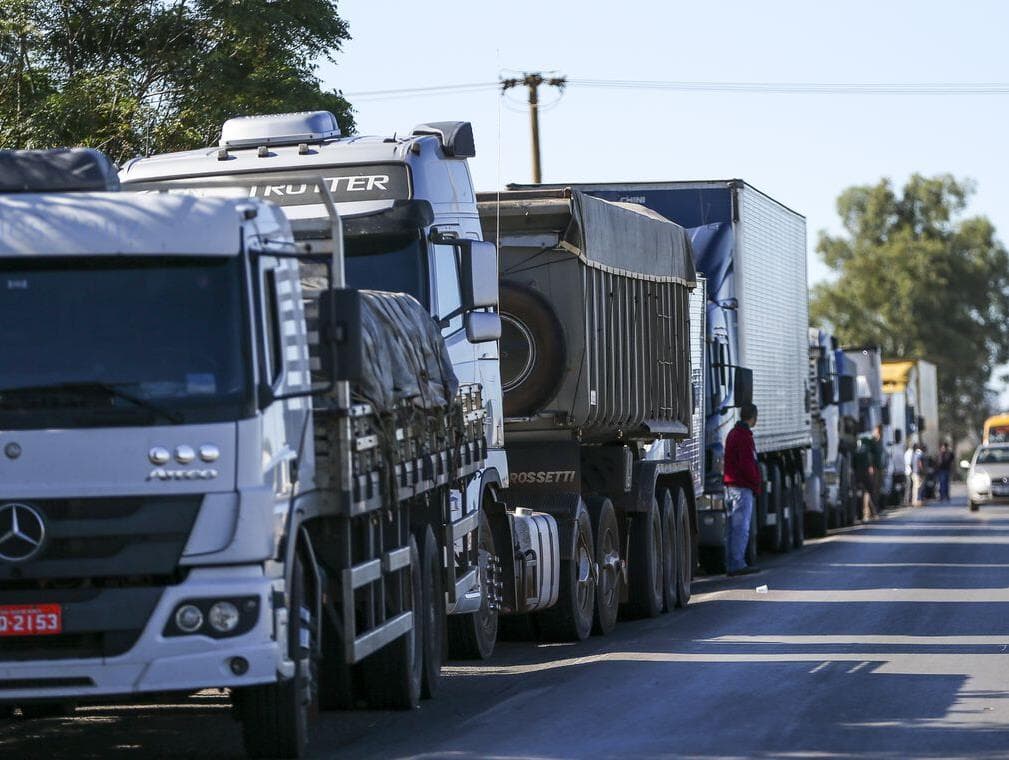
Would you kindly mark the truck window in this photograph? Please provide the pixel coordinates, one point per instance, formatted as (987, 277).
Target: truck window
(393, 263)
(271, 327)
(447, 284)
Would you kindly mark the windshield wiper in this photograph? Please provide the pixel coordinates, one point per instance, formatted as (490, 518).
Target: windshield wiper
(110, 389)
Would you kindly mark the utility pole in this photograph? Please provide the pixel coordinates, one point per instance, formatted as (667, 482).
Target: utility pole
(533, 82)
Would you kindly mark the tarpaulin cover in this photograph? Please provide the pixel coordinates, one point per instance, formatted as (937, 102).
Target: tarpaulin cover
(58, 170)
(630, 237)
(405, 357)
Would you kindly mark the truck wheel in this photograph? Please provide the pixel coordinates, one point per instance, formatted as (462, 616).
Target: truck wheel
(393, 675)
(472, 637)
(670, 553)
(609, 576)
(275, 716)
(798, 514)
(816, 523)
(645, 564)
(774, 535)
(532, 347)
(685, 551)
(432, 612)
(788, 514)
(571, 618)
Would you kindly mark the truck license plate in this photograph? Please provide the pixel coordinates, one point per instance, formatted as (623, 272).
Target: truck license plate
(31, 619)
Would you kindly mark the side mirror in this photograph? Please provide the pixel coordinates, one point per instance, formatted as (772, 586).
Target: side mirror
(742, 386)
(482, 326)
(846, 388)
(965, 464)
(341, 344)
(826, 392)
(898, 435)
(479, 274)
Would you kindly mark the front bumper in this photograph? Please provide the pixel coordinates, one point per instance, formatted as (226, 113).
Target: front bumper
(986, 497)
(156, 663)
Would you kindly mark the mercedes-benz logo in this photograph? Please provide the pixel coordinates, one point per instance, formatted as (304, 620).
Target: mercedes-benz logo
(22, 531)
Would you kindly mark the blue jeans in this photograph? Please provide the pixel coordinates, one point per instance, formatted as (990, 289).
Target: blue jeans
(739, 502)
(944, 485)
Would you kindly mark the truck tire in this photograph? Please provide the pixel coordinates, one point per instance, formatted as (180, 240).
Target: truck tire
(432, 612)
(608, 563)
(275, 716)
(393, 675)
(472, 637)
(798, 513)
(685, 551)
(571, 618)
(788, 514)
(645, 564)
(773, 536)
(533, 350)
(670, 546)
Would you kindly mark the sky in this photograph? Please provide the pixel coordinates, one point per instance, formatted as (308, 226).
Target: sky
(801, 149)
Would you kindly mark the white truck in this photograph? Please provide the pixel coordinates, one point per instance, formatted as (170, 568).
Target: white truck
(201, 485)
(911, 395)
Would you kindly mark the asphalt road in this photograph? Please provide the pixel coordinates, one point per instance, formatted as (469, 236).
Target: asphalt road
(884, 641)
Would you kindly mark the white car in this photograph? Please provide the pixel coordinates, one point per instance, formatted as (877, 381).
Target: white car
(988, 475)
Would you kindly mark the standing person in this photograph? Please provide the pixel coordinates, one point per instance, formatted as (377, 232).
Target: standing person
(908, 473)
(917, 475)
(865, 476)
(742, 484)
(943, 468)
(878, 452)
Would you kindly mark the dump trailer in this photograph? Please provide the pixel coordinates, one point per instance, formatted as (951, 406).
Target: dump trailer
(752, 251)
(257, 500)
(599, 401)
(829, 473)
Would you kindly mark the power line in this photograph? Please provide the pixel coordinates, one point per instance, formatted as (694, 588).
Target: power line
(771, 88)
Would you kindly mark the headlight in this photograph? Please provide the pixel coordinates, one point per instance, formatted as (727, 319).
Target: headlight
(189, 618)
(223, 617)
(980, 481)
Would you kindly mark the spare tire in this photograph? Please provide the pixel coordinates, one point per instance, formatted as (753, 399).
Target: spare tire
(533, 350)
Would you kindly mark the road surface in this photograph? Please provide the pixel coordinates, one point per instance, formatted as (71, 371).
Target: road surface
(884, 641)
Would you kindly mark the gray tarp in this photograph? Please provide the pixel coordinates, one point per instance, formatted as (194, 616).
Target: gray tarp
(630, 237)
(56, 170)
(405, 357)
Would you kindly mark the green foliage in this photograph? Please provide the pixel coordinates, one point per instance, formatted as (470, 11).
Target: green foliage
(921, 281)
(146, 76)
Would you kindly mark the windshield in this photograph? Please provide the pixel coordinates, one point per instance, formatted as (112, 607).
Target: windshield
(387, 262)
(993, 456)
(114, 341)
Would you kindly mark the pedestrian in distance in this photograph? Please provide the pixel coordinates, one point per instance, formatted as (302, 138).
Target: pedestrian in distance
(917, 474)
(908, 473)
(865, 476)
(742, 484)
(943, 469)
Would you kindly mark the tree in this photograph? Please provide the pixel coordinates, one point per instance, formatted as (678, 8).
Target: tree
(922, 281)
(145, 76)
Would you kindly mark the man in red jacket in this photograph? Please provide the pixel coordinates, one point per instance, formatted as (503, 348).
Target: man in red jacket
(742, 484)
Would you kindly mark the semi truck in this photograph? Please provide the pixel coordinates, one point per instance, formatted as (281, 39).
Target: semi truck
(600, 397)
(562, 546)
(206, 487)
(829, 473)
(751, 249)
(911, 394)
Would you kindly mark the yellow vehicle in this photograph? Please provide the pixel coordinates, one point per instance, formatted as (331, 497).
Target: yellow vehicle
(996, 429)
